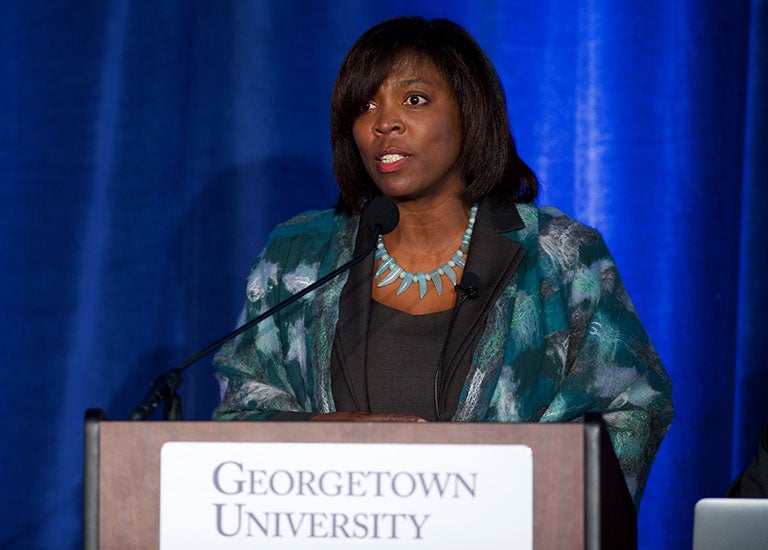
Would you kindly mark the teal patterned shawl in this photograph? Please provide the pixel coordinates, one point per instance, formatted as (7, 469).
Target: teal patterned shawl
(562, 339)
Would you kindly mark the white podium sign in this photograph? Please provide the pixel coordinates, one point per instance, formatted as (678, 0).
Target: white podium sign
(321, 495)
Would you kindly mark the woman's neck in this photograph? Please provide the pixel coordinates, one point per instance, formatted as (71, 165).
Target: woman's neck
(425, 239)
(427, 232)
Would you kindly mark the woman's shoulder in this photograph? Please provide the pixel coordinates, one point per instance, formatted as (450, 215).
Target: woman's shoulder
(306, 224)
(554, 220)
(555, 238)
(294, 251)
(310, 229)
(551, 224)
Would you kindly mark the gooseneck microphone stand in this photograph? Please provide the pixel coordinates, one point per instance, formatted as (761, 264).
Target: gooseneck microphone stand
(380, 215)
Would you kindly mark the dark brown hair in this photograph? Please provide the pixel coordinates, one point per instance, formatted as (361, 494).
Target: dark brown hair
(488, 159)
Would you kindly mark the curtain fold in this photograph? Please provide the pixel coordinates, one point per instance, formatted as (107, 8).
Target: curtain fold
(751, 374)
(147, 149)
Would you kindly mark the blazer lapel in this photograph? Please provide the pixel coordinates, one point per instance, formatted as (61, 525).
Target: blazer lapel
(493, 257)
(350, 346)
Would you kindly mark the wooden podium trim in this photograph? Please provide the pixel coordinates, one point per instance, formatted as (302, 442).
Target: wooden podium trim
(122, 471)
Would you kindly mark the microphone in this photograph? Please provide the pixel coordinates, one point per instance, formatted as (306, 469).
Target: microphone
(380, 215)
(469, 285)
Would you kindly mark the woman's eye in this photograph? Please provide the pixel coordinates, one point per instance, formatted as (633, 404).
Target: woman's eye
(416, 100)
(367, 106)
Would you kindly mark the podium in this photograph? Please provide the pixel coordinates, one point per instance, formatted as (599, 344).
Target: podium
(580, 499)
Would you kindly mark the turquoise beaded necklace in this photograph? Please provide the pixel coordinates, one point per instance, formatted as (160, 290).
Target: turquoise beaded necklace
(435, 276)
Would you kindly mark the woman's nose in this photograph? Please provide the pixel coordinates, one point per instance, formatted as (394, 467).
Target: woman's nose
(388, 121)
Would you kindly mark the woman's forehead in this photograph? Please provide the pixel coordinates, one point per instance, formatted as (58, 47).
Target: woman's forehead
(411, 67)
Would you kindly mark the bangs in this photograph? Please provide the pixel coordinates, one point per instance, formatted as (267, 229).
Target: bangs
(363, 75)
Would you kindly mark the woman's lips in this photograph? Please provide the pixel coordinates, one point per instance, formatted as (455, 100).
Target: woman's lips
(391, 161)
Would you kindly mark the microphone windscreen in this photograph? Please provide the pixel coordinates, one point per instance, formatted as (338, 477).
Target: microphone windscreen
(381, 212)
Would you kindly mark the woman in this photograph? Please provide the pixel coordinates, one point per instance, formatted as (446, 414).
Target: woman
(418, 115)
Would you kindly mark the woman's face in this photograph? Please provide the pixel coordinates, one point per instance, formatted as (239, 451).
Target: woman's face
(409, 135)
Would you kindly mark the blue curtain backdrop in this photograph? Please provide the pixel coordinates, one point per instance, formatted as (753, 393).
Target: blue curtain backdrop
(146, 149)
